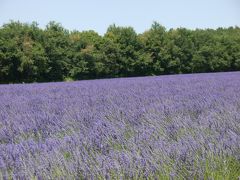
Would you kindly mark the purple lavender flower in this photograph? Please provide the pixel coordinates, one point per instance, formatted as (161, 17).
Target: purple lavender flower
(119, 128)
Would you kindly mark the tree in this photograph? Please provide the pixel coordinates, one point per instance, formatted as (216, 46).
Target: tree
(31, 54)
(84, 55)
(56, 44)
(128, 51)
(154, 40)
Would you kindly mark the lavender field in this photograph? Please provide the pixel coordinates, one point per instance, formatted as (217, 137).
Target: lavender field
(163, 127)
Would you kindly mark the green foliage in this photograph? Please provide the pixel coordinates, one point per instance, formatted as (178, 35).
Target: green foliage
(221, 168)
(31, 54)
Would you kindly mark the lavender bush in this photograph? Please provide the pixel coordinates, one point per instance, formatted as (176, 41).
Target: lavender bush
(165, 127)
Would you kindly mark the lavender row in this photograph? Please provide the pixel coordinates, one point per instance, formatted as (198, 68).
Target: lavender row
(147, 127)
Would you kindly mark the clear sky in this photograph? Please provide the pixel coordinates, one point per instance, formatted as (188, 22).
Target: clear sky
(99, 14)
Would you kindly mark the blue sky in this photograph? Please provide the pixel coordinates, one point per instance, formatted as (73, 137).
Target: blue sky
(99, 14)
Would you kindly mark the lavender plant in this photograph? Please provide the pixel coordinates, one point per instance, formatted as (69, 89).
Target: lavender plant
(165, 127)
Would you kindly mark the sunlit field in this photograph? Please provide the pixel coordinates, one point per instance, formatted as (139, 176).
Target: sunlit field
(162, 127)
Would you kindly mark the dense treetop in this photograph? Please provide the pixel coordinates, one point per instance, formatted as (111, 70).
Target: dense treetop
(31, 54)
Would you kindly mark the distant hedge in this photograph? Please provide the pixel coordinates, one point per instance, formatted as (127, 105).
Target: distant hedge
(31, 54)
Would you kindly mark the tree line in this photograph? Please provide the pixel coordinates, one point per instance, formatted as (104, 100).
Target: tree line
(31, 54)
